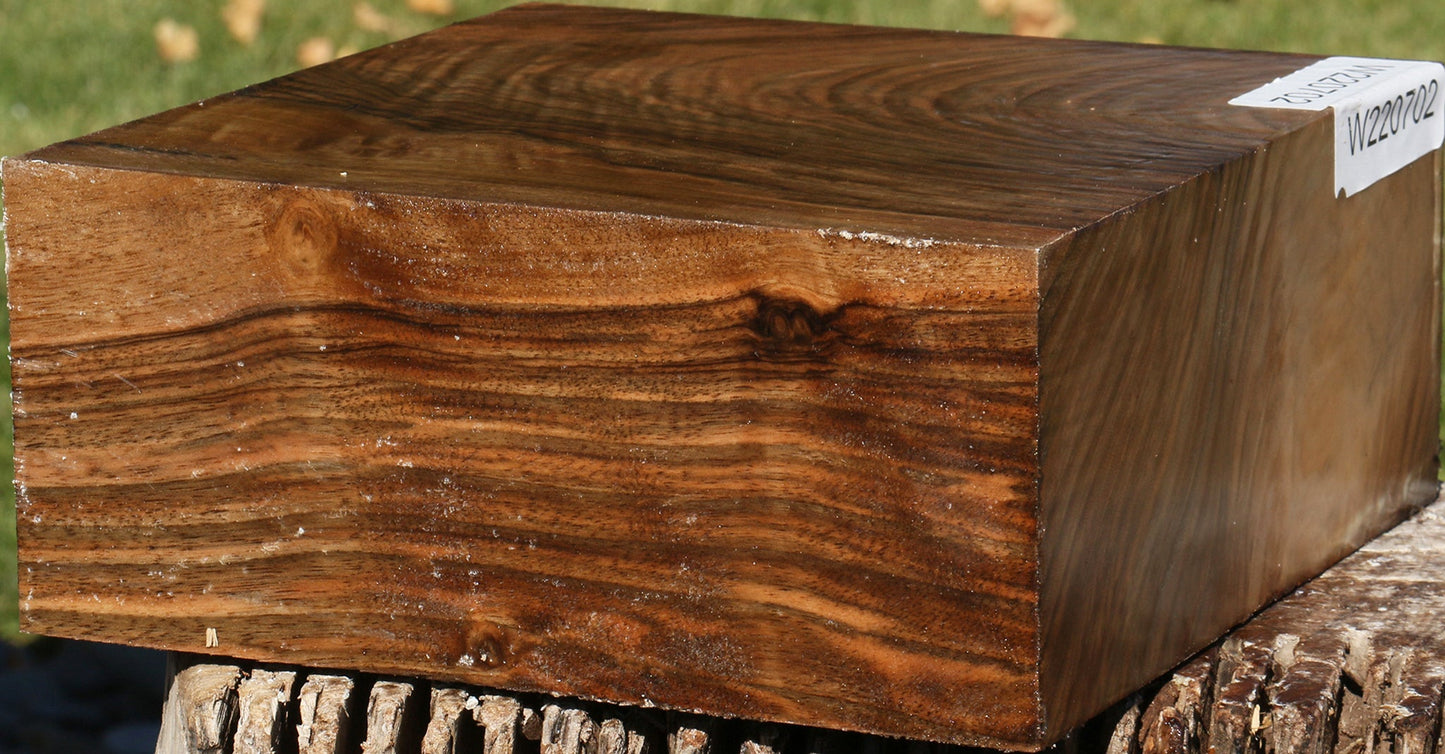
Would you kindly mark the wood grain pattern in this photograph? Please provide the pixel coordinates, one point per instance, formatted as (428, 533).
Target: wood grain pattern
(1350, 662)
(464, 479)
(794, 372)
(927, 135)
(1226, 409)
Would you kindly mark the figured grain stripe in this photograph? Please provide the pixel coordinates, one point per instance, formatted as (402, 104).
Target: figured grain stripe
(785, 123)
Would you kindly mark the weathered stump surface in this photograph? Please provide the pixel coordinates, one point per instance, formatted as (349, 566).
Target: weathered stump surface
(227, 708)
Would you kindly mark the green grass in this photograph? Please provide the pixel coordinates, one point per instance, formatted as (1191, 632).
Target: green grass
(68, 67)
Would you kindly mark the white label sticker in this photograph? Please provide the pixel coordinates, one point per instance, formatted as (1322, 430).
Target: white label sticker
(1388, 113)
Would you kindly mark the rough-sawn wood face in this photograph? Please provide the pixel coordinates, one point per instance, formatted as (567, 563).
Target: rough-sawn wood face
(932, 385)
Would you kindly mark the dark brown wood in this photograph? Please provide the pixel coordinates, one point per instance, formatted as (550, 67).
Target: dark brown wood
(1351, 663)
(934, 385)
(1193, 408)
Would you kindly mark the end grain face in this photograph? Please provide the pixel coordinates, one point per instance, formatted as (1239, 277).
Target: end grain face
(744, 367)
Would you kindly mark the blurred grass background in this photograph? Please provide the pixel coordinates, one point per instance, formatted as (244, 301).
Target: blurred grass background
(68, 67)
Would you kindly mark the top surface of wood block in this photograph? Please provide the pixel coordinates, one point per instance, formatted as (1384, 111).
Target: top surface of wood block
(988, 139)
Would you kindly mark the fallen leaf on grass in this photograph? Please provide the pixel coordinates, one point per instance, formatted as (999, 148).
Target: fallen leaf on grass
(243, 19)
(1031, 18)
(370, 19)
(994, 8)
(315, 51)
(433, 7)
(176, 42)
(1056, 25)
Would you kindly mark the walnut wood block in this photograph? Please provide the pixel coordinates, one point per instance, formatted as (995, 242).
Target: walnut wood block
(933, 385)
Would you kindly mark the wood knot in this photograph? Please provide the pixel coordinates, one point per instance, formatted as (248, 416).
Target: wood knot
(303, 237)
(788, 322)
(487, 646)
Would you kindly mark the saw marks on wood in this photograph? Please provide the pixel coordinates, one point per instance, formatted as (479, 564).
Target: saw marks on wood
(1351, 663)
